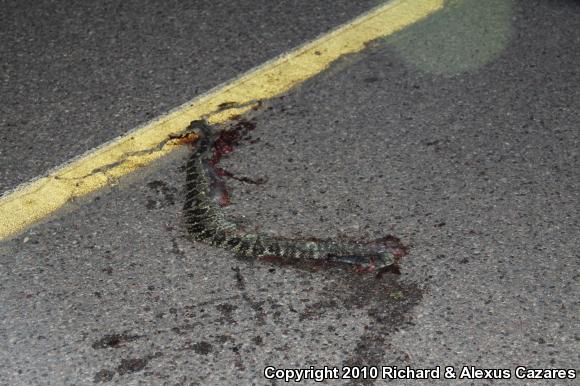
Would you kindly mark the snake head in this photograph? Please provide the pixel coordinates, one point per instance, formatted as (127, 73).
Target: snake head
(390, 252)
(368, 263)
(392, 246)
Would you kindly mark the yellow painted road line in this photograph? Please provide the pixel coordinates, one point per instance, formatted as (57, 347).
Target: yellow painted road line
(35, 200)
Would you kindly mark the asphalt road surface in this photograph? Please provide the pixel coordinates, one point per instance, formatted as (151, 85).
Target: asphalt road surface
(460, 135)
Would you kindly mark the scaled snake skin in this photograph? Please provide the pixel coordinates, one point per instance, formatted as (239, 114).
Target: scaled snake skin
(205, 221)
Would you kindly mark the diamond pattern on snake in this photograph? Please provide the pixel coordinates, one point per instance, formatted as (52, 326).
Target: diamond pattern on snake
(205, 221)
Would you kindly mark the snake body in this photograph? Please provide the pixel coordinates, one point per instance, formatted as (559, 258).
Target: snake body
(206, 222)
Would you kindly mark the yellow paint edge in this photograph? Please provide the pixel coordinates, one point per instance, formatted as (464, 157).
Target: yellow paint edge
(35, 200)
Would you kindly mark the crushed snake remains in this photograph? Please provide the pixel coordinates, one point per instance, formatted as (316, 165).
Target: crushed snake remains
(205, 221)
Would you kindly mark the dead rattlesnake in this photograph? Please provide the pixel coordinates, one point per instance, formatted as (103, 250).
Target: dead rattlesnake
(205, 221)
